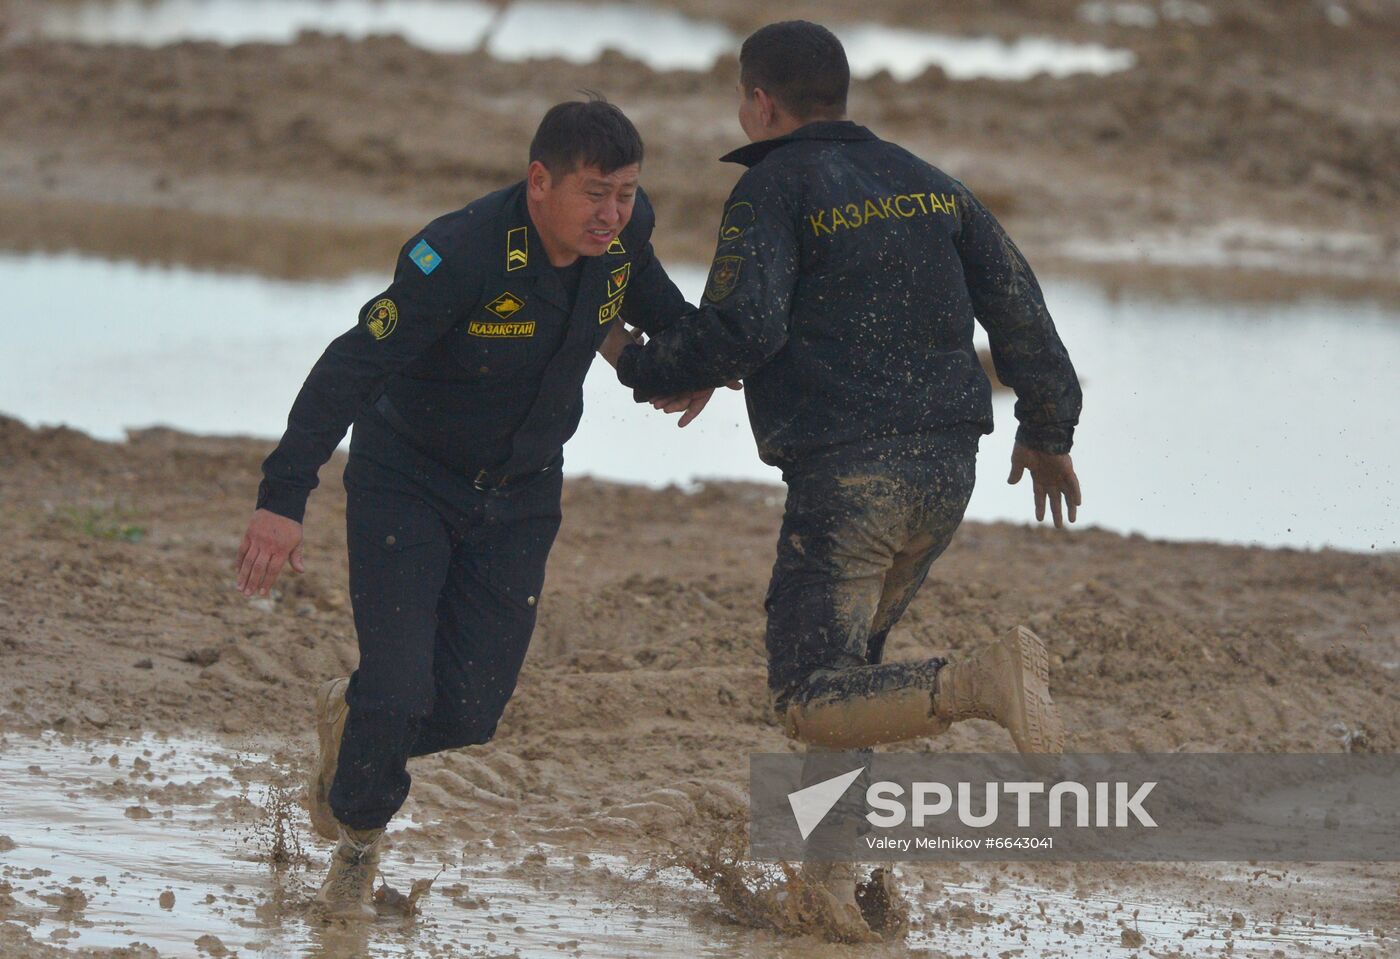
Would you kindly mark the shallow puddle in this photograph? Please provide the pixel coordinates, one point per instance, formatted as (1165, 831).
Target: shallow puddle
(998, 919)
(167, 842)
(1264, 423)
(579, 32)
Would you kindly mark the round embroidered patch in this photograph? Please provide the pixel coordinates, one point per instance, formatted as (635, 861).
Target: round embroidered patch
(382, 318)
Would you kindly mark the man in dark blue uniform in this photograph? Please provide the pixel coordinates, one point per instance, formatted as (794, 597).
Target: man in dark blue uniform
(843, 292)
(463, 380)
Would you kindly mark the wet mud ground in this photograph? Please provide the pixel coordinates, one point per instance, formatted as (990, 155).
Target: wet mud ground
(1256, 156)
(190, 847)
(624, 753)
(1264, 136)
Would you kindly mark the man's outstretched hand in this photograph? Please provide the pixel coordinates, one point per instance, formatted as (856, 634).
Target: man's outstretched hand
(689, 405)
(271, 540)
(1052, 476)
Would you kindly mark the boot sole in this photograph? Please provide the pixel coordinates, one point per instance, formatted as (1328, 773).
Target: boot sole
(1038, 717)
(319, 784)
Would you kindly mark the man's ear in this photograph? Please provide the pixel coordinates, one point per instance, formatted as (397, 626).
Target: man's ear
(537, 180)
(767, 106)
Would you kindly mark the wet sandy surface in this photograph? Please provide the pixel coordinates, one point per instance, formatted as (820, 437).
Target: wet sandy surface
(189, 847)
(1265, 116)
(628, 738)
(1256, 153)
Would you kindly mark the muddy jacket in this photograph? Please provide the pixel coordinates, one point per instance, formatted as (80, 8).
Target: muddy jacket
(843, 291)
(472, 354)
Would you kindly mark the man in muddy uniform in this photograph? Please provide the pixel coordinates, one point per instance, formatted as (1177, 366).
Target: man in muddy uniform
(843, 292)
(463, 380)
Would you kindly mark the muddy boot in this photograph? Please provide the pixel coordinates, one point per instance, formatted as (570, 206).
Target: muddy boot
(349, 886)
(330, 727)
(832, 890)
(1008, 683)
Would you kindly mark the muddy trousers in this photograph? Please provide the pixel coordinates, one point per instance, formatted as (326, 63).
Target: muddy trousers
(862, 525)
(444, 580)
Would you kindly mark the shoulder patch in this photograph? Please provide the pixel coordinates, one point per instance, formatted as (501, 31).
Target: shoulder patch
(425, 256)
(616, 246)
(506, 305)
(737, 220)
(517, 248)
(724, 276)
(382, 318)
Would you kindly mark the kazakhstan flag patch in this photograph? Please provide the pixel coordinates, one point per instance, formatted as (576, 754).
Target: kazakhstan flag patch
(425, 256)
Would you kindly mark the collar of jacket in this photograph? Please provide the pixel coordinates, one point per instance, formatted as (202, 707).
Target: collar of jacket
(517, 218)
(819, 130)
(535, 272)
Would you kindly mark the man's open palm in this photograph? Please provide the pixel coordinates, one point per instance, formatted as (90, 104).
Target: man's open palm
(271, 540)
(1052, 477)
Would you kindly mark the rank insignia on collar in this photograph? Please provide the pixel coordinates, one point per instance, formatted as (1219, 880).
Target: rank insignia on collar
(617, 281)
(616, 246)
(506, 305)
(425, 256)
(517, 248)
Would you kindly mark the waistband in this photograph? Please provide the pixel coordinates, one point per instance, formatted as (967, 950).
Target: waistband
(484, 479)
(957, 439)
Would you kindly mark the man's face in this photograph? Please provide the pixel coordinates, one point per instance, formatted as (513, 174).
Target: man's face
(581, 213)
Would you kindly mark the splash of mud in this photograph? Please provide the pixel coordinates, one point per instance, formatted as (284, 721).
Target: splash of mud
(274, 833)
(388, 901)
(785, 898)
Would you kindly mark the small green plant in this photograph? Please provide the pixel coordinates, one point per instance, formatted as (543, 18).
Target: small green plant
(100, 523)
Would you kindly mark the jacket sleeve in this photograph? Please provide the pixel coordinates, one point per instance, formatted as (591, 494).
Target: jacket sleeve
(742, 320)
(394, 328)
(1026, 350)
(652, 302)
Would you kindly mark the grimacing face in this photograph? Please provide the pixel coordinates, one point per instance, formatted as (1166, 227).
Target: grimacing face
(581, 213)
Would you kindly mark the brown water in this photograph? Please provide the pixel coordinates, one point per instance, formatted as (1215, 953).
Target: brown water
(170, 841)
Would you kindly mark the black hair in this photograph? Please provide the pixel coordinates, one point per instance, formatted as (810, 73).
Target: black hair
(801, 65)
(580, 133)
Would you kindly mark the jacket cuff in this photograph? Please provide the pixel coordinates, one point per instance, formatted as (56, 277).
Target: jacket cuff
(288, 501)
(627, 373)
(1055, 440)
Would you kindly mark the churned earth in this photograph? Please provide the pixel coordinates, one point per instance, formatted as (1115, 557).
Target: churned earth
(1246, 135)
(644, 690)
(1254, 150)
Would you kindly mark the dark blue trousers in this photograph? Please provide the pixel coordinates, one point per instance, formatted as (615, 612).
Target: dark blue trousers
(445, 581)
(862, 525)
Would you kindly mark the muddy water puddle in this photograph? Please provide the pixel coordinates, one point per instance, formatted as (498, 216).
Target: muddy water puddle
(175, 843)
(995, 920)
(169, 842)
(1203, 420)
(580, 32)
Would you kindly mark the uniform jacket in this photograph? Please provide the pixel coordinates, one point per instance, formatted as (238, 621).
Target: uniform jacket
(472, 354)
(845, 283)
